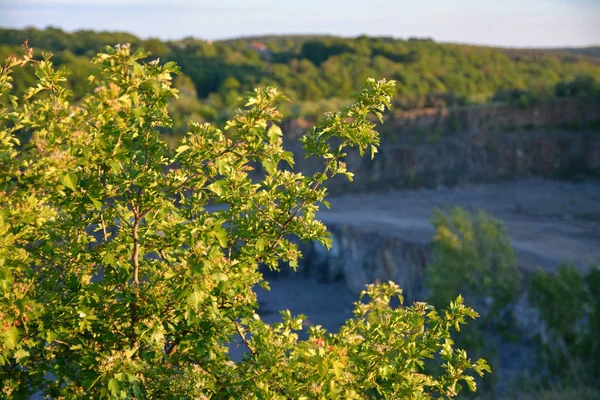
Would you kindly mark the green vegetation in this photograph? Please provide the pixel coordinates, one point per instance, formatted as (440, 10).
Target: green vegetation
(319, 73)
(472, 255)
(120, 278)
(569, 305)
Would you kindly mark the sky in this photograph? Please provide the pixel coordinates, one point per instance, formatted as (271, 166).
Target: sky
(510, 23)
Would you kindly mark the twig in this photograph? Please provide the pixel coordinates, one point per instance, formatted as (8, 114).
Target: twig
(243, 337)
(119, 215)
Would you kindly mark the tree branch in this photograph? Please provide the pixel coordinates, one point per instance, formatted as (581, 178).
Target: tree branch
(136, 279)
(243, 337)
(293, 215)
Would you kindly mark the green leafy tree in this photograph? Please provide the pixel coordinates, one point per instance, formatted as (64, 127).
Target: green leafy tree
(472, 255)
(317, 68)
(127, 272)
(569, 305)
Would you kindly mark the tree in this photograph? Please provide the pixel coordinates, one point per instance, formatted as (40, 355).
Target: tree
(126, 271)
(569, 305)
(472, 255)
(335, 65)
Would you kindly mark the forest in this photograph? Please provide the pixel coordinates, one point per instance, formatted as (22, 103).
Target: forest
(319, 73)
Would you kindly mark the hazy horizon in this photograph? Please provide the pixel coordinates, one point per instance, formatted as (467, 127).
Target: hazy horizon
(512, 23)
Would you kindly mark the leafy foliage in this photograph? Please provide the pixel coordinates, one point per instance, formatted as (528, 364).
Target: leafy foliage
(473, 256)
(127, 271)
(313, 69)
(581, 85)
(569, 305)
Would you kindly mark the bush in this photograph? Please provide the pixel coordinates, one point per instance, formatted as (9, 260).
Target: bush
(580, 86)
(569, 305)
(127, 273)
(516, 97)
(472, 255)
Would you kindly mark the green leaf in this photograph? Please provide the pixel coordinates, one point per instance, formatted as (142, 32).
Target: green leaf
(288, 157)
(220, 277)
(130, 352)
(471, 383)
(139, 70)
(323, 367)
(196, 298)
(274, 133)
(50, 336)
(97, 203)
(169, 66)
(373, 151)
(21, 355)
(11, 337)
(338, 369)
(265, 285)
(221, 165)
(116, 167)
(69, 181)
(269, 165)
(217, 187)
(221, 235)
(251, 100)
(114, 387)
(182, 149)
(109, 259)
(261, 244)
(168, 274)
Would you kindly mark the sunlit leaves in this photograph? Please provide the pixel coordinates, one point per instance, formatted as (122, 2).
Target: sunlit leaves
(381, 352)
(126, 270)
(11, 337)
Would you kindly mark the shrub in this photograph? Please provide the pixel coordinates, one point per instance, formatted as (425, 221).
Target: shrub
(580, 86)
(569, 305)
(127, 273)
(472, 255)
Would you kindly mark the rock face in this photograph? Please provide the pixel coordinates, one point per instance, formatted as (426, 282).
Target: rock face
(487, 118)
(442, 147)
(460, 159)
(360, 257)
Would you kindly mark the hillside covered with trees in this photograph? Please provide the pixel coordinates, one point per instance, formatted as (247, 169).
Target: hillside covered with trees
(318, 73)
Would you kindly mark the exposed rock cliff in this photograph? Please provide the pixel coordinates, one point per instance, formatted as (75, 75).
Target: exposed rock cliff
(442, 147)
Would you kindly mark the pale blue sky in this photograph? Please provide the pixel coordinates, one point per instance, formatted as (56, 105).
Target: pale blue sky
(515, 23)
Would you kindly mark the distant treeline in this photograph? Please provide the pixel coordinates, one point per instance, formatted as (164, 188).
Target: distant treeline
(319, 72)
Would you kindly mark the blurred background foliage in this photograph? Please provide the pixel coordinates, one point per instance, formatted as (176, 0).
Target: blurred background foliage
(318, 73)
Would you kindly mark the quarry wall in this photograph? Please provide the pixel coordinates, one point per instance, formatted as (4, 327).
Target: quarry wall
(446, 147)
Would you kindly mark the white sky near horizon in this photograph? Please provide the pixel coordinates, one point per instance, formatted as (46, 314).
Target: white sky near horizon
(511, 23)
